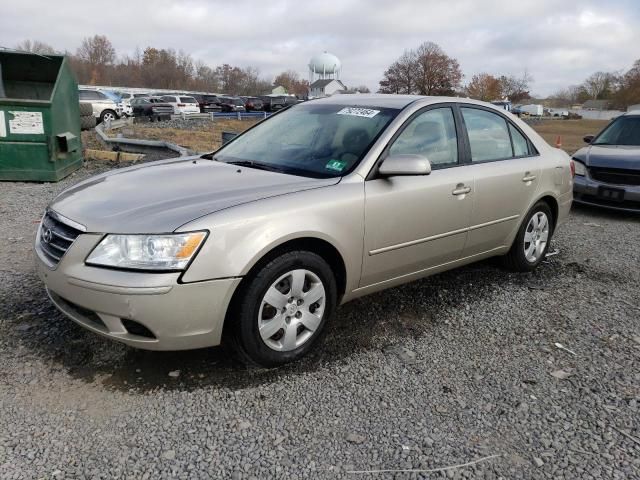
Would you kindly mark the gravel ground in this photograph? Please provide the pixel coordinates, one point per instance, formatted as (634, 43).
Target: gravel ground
(444, 371)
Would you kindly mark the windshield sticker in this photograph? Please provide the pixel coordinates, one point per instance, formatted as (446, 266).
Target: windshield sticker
(336, 165)
(359, 112)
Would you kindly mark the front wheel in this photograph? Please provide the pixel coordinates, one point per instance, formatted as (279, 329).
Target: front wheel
(282, 310)
(531, 244)
(108, 115)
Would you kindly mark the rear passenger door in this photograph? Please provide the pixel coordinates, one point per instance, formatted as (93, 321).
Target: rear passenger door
(416, 223)
(506, 170)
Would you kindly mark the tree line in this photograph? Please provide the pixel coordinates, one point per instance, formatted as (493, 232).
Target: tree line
(428, 70)
(96, 62)
(619, 89)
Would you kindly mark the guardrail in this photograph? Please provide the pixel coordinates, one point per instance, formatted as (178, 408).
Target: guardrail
(241, 115)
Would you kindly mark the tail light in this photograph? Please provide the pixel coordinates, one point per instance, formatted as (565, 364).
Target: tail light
(572, 165)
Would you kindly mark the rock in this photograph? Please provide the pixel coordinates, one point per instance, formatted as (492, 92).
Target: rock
(538, 461)
(174, 373)
(355, 438)
(561, 374)
(243, 425)
(169, 455)
(636, 338)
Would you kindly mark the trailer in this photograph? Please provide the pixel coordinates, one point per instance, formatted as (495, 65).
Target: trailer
(533, 110)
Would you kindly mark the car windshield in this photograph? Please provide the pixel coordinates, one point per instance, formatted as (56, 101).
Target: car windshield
(622, 131)
(188, 100)
(314, 140)
(237, 101)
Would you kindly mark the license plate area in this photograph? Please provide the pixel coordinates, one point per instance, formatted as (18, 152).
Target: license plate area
(611, 194)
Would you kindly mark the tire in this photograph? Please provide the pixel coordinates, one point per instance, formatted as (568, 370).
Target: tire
(86, 109)
(87, 122)
(253, 318)
(108, 114)
(532, 242)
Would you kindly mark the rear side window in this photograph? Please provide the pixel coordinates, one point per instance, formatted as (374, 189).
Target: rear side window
(431, 134)
(520, 144)
(488, 135)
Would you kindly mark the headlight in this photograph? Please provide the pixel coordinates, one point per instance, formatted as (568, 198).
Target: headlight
(580, 168)
(171, 251)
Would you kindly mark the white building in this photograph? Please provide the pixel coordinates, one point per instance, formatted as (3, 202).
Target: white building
(326, 87)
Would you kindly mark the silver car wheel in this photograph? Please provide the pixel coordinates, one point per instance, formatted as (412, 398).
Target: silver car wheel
(536, 236)
(108, 117)
(291, 310)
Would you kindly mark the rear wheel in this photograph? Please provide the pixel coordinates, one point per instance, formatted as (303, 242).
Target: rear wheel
(532, 241)
(108, 115)
(283, 309)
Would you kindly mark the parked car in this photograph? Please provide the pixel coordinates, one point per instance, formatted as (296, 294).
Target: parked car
(330, 200)
(104, 107)
(231, 104)
(207, 103)
(608, 170)
(126, 101)
(153, 108)
(182, 103)
(252, 104)
(273, 104)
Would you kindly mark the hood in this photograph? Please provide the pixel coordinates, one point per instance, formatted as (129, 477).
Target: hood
(610, 156)
(161, 196)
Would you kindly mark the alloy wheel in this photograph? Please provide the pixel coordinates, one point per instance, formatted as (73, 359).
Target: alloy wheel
(291, 310)
(536, 236)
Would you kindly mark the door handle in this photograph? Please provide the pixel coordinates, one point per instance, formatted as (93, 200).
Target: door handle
(461, 190)
(528, 177)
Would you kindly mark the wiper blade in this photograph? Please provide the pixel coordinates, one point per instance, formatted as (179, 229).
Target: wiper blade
(257, 165)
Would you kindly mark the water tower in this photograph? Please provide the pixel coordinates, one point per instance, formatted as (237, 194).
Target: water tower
(323, 66)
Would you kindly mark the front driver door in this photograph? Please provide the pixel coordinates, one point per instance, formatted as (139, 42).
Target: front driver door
(414, 223)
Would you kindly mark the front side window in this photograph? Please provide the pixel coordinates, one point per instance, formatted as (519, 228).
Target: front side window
(431, 134)
(315, 140)
(488, 135)
(622, 131)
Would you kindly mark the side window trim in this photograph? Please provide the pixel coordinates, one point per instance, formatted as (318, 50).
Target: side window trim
(533, 152)
(451, 105)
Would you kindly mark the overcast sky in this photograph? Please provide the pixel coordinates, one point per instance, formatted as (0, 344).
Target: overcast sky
(558, 42)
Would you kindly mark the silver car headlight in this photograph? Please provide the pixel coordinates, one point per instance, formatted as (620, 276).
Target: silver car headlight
(580, 168)
(172, 251)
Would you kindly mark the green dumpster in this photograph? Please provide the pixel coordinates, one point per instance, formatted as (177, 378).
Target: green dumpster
(39, 117)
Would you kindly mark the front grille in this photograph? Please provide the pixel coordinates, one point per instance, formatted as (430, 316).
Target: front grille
(615, 176)
(56, 237)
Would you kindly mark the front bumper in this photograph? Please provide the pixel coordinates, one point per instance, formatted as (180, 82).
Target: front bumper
(153, 311)
(588, 191)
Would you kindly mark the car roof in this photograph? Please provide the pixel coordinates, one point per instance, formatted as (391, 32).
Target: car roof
(384, 100)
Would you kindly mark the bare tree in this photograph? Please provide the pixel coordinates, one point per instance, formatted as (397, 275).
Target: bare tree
(515, 88)
(599, 84)
(436, 72)
(35, 46)
(97, 50)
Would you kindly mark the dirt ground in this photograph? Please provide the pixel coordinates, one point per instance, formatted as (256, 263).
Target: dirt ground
(570, 131)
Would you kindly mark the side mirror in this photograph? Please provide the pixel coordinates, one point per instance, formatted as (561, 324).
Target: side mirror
(588, 138)
(405, 165)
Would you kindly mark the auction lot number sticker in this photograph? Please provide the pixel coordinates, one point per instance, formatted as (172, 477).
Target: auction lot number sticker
(359, 112)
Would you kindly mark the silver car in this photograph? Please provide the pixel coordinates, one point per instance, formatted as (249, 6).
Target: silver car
(257, 243)
(104, 107)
